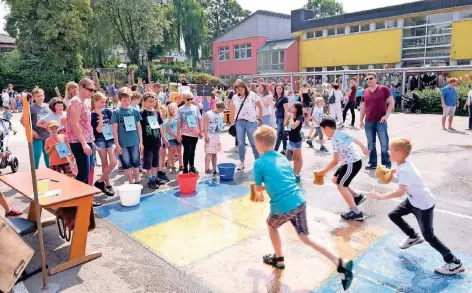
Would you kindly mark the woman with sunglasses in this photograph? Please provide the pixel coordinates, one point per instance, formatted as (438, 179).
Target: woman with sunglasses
(249, 106)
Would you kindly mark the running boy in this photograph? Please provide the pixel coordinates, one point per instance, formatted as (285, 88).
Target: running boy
(127, 134)
(419, 202)
(316, 117)
(58, 150)
(351, 163)
(212, 126)
(286, 203)
(153, 132)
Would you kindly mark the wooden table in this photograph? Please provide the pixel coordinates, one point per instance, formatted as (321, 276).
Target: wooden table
(73, 194)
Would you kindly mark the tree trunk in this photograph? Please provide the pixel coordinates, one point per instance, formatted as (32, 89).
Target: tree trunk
(149, 72)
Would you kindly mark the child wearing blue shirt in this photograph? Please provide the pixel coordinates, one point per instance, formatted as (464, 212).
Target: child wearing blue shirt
(286, 203)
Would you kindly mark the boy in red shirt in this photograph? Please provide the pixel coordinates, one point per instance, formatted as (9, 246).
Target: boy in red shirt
(58, 150)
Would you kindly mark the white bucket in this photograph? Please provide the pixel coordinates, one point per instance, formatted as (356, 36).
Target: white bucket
(130, 194)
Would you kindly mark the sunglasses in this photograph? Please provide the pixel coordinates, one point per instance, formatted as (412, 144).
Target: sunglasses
(188, 100)
(90, 90)
(369, 78)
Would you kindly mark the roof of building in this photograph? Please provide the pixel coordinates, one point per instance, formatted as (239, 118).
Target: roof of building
(302, 19)
(277, 45)
(258, 12)
(6, 39)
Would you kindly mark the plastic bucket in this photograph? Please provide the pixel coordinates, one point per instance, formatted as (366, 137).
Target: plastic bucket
(226, 171)
(130, 194)
(187, 182)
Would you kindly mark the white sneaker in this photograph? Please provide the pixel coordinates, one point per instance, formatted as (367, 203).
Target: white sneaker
(408, 242)
(450, 269)
(241, 167)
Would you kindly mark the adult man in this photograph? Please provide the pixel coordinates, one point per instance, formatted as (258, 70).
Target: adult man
(377, 104)
(351, 103)
(156, 88)
(114, 94)
(449, 101)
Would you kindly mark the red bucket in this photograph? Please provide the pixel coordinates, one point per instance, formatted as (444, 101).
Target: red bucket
(187, 182)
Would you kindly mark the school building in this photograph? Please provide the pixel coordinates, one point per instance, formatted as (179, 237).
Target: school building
(418, 34)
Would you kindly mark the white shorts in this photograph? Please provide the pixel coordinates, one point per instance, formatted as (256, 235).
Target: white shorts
(449, 111)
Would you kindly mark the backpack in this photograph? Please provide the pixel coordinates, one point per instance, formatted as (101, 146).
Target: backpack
(332, 99)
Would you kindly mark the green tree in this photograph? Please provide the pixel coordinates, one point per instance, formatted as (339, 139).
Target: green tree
(194, 29)
(324, 8)
(138, 23)
(49, 31)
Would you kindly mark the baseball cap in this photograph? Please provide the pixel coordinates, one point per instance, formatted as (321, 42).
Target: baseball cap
(53, 123)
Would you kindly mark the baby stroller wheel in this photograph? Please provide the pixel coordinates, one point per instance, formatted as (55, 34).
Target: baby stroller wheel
(14, 164)
(407, 111)
(418, 111)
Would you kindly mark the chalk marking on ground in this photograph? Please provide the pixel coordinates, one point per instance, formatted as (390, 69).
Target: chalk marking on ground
(449, 155)
(403, 129)
(20, 288)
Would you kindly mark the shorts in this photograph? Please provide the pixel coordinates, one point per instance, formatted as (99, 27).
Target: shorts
(295, 145)
(297, 216)
(174, 143)
(63, 168)
(319, 132)
(130, 157)
(347, 172)
(212, 146)
(93, 159)
(449, 111)
(151, 158)
(104, 144)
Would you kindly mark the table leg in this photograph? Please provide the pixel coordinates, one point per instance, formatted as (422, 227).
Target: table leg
(77, 254)
(32, 211)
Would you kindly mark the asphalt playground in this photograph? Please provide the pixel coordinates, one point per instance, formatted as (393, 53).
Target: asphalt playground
(213, 240)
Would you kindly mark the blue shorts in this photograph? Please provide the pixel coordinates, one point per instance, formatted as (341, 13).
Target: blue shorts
(130, 157)
(104, 144)
(174, 143)
(295, 145)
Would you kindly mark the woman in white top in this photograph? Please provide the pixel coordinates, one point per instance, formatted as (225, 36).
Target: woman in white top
(249, 117)
(72, 89)
(468, 104)
(336, 109)
(267, 103)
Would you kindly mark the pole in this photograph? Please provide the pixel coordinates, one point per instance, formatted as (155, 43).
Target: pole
(403, 86)
(49, 288)
(291, 83)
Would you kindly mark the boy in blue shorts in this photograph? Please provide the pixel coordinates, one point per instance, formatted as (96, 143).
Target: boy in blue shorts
(286, 203)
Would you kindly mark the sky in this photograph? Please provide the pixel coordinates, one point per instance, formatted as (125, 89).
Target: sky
(282, 6)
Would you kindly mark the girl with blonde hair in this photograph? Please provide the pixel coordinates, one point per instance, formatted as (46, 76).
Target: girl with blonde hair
(72, 89)
(175, 148)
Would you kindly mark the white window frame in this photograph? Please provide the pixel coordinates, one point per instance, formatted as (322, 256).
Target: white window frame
(242, 48)
(462, 12)
(270, 64)
(223, 52)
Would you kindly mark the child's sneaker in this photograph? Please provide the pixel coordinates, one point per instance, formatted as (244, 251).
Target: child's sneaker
(309, 143)
(185, 170)
(273, 260)
(162, 175)
(193, 170)
(359, 199)
(450, 268)
(297, 178)
(208, 172)
(408, 242)
(215, 173)
(120, 169)
(351, 216)
(153, 184)
(345, 269)
(323, 149)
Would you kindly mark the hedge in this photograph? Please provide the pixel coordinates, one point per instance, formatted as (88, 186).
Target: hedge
(431, 100)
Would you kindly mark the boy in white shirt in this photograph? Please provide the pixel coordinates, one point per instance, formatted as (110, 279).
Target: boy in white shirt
(344, 152)
(316, 117)
(420, 202)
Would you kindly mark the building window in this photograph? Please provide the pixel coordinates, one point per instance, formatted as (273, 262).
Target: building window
(392, 23)
(242, 52)
(414, 21)
(365, 27)
(314, 35)
(330, 68)
(440, 18)
(318, 34)
(224, 53)
(309, 69)
(270, 61)
(318, 69)
(331, 32)
(362, 67)
(464, 62)
(380, 25)
(340, 30)
(378, 66)
(466, 14)
(310, 35)
(354, 29)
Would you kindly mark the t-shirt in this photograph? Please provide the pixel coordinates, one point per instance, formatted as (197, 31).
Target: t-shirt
(7, 115)
(215, 123)
(279, 107)
(249, 111)
(113, 91)
(37, 113)
(274, 170)
(295, 134)
(266, 110)
(56, 117)
(107, 114)
(173, 128)
(126, 138)
(343, 143)
(469, 99)
(190, 117)
(54, 158)
(5, 99)
(393, 92)
(375, 103)
(359, 92)
(450, 96)
(318, 114)
(418, 193)
(338, 95)
(352, 96)
(151, 137)
(205, 105)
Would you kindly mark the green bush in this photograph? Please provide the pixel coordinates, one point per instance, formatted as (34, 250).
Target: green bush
(201, 78)
(431, 100)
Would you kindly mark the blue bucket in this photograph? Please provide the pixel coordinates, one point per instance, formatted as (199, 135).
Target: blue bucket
(226, 171)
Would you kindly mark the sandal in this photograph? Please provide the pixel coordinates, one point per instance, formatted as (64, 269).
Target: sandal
(346, 271)
(208, 171)
(13, 213)
(272, 260)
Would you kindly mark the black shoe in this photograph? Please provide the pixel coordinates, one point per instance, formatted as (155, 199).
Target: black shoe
(193, 170)
(153, 184)
(185, 171)
(162, 175)
(109, 190)
(96, 204)
(351, 216)
(370, 167)
(159, 181)
(101, 186)
(360, 199)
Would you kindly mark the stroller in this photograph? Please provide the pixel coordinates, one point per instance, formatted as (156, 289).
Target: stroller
(411, 104)
(6, 158)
